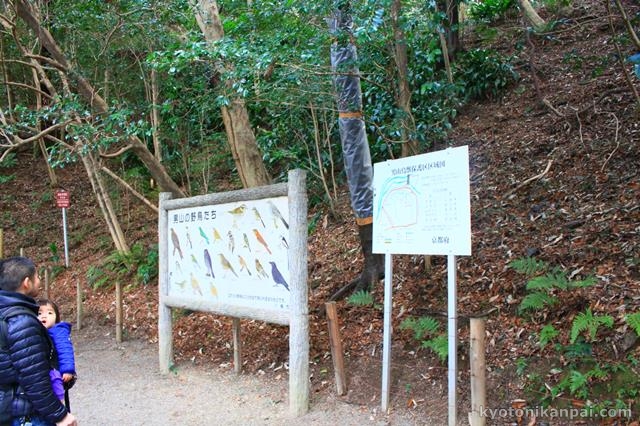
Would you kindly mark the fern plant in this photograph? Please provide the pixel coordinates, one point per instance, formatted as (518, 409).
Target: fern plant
(543, 283)
(586, 321)
(547, 334)
(361, 298)
(634, 322)
(421, 326)
(439, 345)
(529, 266)
(140, 264)
(427, 330)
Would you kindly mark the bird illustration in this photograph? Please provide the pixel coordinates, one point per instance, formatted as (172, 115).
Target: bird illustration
(256, 213)
(216, 235)
(195, 285)
(246, 241)
(203, 234)
(213, 290)
(284, 242)
(207, 264)
(226, 265)
(243, 264)
(189, 238)
(195, 261)
(232, 245)
(176, 243)
(260, 270)
(277, 276)
(181, 284)
(178, 267)
(261, 240)
(276, 214)
(238, 211)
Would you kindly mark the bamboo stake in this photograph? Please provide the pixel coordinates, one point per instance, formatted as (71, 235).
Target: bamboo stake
(46, 283)
(336, 347)
(118, 312)
(478, 368)
(237, 346)
(1, 243)
(78, 305)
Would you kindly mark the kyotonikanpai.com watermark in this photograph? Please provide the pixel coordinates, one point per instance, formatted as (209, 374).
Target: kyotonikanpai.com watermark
(545, 412)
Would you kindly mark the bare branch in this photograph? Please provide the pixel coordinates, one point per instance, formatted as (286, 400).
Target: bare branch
(130, 189)
(531, 179)
(26, 86)
(17, 141)
(50, 61)
(117, 153)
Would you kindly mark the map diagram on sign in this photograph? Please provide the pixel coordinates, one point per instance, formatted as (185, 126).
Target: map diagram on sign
(421, 204)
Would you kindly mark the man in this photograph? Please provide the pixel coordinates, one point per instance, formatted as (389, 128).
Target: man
(25, 359)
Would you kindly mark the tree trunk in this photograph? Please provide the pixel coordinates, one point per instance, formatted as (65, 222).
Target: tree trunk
(531, 15)
(242, 140)
(24, 11)
(155, 116)
(451, 31)
(104, 201)
(409, 145)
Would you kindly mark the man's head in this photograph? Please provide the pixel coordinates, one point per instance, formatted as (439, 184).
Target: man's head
(19, 274)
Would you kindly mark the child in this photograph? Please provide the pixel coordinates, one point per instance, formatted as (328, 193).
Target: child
(60, 332)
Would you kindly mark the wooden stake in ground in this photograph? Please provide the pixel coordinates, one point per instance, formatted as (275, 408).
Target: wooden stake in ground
(46, 283)
(118, 312)
(336, 347)
(478, 368)
(237, 347)
(79, 305)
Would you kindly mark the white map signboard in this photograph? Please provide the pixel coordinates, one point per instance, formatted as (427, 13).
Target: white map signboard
(421, 204)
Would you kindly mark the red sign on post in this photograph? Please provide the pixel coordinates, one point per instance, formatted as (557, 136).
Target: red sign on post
(63, 200)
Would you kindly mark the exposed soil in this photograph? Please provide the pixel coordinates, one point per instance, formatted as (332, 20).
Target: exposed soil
(554, 173)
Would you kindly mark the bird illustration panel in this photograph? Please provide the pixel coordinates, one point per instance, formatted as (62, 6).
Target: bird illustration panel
(234, 253)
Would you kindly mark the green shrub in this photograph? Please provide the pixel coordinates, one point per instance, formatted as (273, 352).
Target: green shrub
(489, 10)
(484, 73)
(139, 266)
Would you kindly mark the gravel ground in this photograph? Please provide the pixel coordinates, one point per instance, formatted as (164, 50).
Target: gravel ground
(120, 384)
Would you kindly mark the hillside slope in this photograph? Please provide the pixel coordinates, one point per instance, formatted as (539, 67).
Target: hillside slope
(554, 175)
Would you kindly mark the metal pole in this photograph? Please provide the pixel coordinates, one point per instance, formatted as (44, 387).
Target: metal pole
(386, 341)
(64, 234)
(453, 336)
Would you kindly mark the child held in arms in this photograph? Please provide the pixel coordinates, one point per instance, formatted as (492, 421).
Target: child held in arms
(60, 332)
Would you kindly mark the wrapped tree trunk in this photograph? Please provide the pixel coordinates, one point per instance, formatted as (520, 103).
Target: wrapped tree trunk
(355, 147)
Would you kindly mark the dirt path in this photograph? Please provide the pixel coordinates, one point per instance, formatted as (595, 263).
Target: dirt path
(120, 384)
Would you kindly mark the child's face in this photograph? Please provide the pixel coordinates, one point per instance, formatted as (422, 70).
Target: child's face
(47, 315)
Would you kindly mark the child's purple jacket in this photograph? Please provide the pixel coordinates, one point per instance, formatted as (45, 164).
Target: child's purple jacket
(56, 383)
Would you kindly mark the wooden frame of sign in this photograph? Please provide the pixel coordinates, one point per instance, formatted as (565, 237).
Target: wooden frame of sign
(228, 237)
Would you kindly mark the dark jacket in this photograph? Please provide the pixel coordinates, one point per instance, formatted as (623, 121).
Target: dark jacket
(61, 335)
(24, 368)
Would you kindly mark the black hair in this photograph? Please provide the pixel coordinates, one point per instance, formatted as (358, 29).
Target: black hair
(13, 271)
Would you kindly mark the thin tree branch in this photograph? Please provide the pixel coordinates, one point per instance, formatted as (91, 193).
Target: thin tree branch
(531, 179)
(117, 153)
(617, 142)
(129, 188)
(26, 86)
